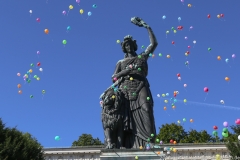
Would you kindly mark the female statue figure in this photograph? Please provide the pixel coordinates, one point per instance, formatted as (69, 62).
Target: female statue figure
(139, 123)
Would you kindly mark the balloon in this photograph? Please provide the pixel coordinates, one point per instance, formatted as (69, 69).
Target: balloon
(40, 69)
(30, 11)
(160, 54)
(89, 13)
(94, 6)
(189, 5)
(38, 20)
(218, 16)
(20, 92)
(68, 28)
(239, 137)
(222, 15)
(227, 60)
(173, 42)
(81, 11)
(173, 107)
(179, 18)
(18, 74)
(185, 100)
(205, 89)
(225, 135)
(209, 49)
(194, 42)
(215, 127)
(118, 41)
(187, 63)
(215, 133)
(64, 42)
(178, 75)
(225, 130)
(78, 1)
(175, 31)
(191, 27)
(182, 1)
(164, 17)
(225, 124)
(188, 46)
(19, 85)
(167, 94)
(71, 7)
(233, 56)
(46, 31)
(179, 78)
(168, 56)
(38, 78)
(222, 101)
(38, 64)
(227, 79)
(163, 95)
(35, 76)
(158, 95)
(31, 96)
(185, 38)
(166, 101)
(30, 70)
(57, 138)
(64, 12)
(184, 120)
(167, 32)
(165, 108)
(237, 121)
(43, 91)
(219, 58)
(191, 120)
(208, 16)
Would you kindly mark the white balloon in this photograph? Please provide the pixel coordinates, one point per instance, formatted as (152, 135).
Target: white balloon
(158, 95)
(239, 137)
(30, 11)
(40, 69)
(222, 101)
(194, 42)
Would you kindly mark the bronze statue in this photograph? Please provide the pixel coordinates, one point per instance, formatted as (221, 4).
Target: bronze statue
(130, 79)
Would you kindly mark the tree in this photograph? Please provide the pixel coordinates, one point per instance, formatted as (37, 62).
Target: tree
(172, 132)
(193, 136)
(87, 140)
(233, 144)
(18, 145)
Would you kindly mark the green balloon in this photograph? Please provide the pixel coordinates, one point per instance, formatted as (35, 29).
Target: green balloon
(32, 65)
(43, 91)
(184, 119)
(29, 81)
(160, 54)
(209, 49)
(215, 133)
(64, 41)
(35, 76)
(157, 140)
(152, 135)
(225, 134)
(172, 28)
(31, 96)
(225, 130)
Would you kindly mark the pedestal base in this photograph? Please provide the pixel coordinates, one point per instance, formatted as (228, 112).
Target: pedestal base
(131, 154)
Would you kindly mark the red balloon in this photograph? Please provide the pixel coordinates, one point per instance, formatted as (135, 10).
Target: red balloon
(188, 46)
(38, 64)
(175, 95)
(215, 127)
(188, 52)
(205, 89)
(173, 42)
(178, 75)
(180, 27)
(171, 141)
(208, 16)
(222, 15)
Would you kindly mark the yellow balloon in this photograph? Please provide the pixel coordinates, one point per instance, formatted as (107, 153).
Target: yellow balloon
(26, 75)
(118, 41)
(185, 100)
(71, 7)
(81, 11)
(163, 95)
(175, 31)
(38, 78)
(30, 70)
(174, 150)
(166, 101)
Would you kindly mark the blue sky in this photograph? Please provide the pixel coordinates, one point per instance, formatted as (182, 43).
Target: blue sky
(76, 74)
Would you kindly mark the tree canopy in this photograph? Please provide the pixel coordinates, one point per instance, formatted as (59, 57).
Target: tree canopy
(18, 145)
(87, 140)
(233, 144)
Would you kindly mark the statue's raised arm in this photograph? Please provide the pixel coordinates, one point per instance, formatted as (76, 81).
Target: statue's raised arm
(153, 41)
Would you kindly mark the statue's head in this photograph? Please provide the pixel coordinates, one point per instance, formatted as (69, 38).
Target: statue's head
(129, 45)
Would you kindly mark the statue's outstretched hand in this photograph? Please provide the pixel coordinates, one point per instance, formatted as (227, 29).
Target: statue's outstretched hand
(139, 22)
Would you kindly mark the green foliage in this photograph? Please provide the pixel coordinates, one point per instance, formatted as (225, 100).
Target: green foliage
(87, 140)
(17, 145)
(193, 136)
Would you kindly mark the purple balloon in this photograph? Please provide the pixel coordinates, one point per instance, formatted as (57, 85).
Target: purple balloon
(225, 124)
(233, 56)
(78, 1)
(182, 0)
(191, 27)
(64, 12)
(161, 142)
(38, 19)
(147, 147)
(38, 52)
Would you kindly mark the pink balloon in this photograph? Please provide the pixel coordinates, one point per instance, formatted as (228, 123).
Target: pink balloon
(205, 89)
(185, 85)
(64, 12)
(38, 19)
(237, 121)
(188, 46)
(18, 74)
(78, 1)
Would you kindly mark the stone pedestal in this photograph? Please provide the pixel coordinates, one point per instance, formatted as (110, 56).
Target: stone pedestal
(130, 154)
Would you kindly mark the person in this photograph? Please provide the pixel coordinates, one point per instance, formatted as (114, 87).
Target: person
(139, 123)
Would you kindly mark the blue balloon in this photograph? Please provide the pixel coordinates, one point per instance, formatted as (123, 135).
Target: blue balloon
(167, 94)
(179, 18)
(68, 28)
(89, 13)
(164, 17)
(94, 6)
(227, 60)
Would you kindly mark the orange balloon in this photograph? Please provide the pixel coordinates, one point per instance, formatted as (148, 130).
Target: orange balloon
(173, 107)
(191, 120)
(227, 78)
(158, 152)
(19, 85)
(20, 92)
(174, 142)
(218, 58)
(165, 108)
(46, 31)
